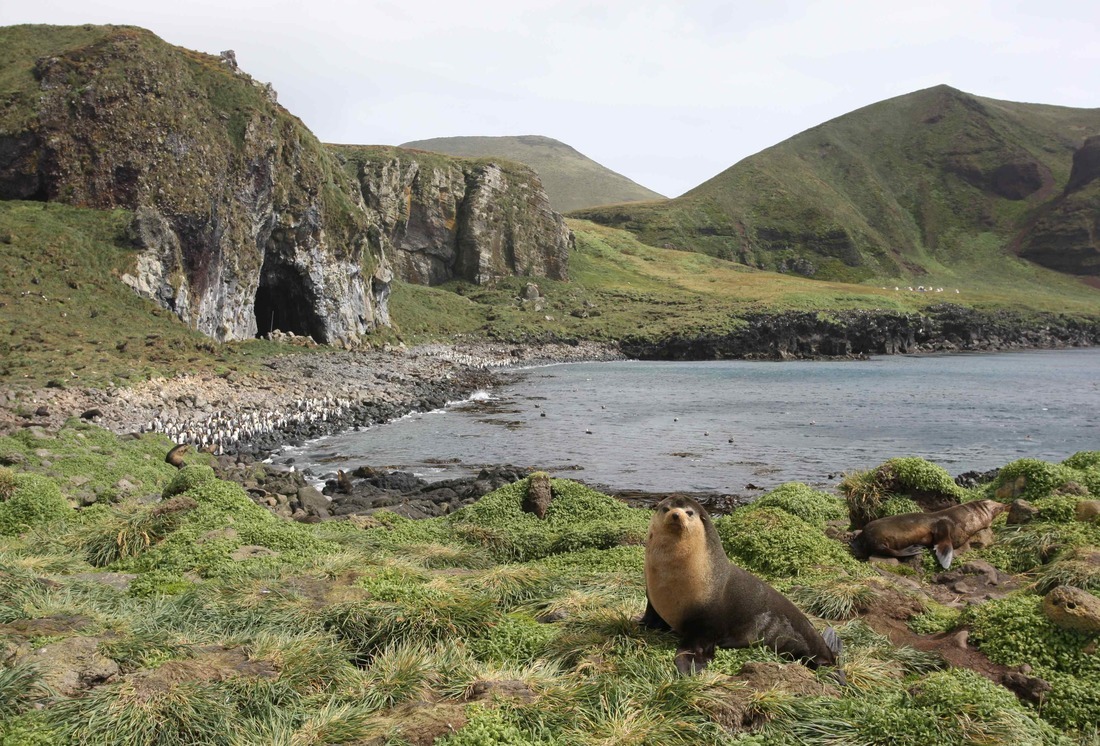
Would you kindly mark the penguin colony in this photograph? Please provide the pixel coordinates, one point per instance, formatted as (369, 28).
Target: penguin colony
(223, 433)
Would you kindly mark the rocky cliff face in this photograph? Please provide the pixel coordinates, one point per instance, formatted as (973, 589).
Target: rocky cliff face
(244, 222)
(442, 218)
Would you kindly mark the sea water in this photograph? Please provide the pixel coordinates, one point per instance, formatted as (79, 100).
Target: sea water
(730, 426)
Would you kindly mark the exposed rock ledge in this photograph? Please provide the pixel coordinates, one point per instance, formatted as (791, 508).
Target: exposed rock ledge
(942, 328)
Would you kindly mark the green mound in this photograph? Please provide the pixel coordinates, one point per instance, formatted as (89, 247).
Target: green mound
(867, 493)
(578, 518)
(813, 506)
(35, 501)
(1033, 478)
(776, 544)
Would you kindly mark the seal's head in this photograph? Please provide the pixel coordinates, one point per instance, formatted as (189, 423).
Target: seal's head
(681, 516)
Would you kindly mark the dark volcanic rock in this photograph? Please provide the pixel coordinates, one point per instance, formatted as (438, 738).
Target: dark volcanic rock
(408, 495)
(942, 328)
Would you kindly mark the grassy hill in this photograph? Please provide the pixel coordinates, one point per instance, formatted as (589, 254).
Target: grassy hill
(572, 180)
(934, 184)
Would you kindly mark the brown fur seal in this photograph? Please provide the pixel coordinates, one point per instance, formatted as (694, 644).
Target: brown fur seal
(175, 456)
(946, 531)
(693, 589)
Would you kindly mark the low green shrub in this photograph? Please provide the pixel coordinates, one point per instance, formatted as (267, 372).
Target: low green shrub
(898, 506)
(1030, 546)
(813, 506)
(1014, 630)
(578, 518)
(35, 500)
(866, 492)
(776, 544)
(7, 483)
(1057, 509)
(486, 726)
(515, 639)
(1073, 702)
(1083, 460)
(936, 619)
(1040, 478)
(188, 478)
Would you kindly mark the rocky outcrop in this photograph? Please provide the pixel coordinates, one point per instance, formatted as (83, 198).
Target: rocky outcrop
(243, 222)
(442, 218)
(799, 334)
(1065, 235)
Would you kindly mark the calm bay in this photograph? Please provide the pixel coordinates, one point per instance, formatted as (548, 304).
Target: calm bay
(721, 426)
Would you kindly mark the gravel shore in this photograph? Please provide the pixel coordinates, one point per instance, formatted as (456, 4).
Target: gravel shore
(295, 397)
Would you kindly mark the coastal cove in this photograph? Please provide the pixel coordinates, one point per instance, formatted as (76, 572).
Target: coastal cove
(730, 426)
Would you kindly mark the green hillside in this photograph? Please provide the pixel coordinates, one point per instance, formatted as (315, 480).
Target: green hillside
(572, 180)
(912, 187)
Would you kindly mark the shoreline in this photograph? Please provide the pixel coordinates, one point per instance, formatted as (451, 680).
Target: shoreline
(300, 397)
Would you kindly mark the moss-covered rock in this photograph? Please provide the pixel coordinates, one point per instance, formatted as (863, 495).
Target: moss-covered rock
(774, 543)
(798, 499)
(35, 500)
(1030, 479)
(929, 486)
(1057, 508)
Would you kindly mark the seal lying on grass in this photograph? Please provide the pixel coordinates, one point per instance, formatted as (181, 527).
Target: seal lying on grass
(693, 589)
(946, 531)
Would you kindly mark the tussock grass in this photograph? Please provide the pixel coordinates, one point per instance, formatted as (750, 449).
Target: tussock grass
(343, 635)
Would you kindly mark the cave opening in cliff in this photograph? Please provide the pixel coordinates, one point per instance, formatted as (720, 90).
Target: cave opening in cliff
(285, 302)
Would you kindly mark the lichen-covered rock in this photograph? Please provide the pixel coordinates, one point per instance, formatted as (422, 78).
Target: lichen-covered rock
(1087, 511)
(1020, 512)
(1073, 609)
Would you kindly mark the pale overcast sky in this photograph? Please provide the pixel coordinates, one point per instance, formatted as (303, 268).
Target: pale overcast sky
(666, 93)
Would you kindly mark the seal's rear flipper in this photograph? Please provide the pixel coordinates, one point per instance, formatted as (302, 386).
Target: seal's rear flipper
(945, 553)
(832, 639)
(909, 551)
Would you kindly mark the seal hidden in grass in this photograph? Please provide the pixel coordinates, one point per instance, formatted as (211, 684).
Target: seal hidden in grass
(946, 531)
(693, 589)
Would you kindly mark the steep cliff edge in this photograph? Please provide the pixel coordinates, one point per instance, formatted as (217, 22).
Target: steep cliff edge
(440, 218)
(244, 221)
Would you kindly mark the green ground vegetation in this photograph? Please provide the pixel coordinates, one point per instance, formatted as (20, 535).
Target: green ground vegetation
(224, 624)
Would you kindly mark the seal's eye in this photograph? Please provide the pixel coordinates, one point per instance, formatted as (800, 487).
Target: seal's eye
(689, 511)
(665, 509)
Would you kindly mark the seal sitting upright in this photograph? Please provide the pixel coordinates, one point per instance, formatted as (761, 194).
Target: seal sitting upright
(946, 531)
(693, 589)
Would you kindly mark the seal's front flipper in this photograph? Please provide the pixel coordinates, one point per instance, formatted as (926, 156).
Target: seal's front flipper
(691, 659)
(652, 619)
(945, 553)
(832, 639)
